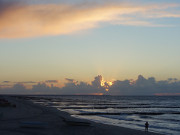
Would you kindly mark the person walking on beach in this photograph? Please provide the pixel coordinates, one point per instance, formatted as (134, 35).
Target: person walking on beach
(146, 126)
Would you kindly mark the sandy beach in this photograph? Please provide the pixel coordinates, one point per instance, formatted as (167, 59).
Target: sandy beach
(20, 120)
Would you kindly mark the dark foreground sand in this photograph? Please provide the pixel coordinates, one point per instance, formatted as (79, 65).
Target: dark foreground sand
(25, 111)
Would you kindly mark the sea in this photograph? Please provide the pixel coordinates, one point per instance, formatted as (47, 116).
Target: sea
(161, 112)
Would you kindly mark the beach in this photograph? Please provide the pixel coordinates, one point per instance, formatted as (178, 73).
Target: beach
(27, 118)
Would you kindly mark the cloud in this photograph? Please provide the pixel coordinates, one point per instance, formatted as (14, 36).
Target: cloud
(20, 20)
(42, 88)
(143, 86)
(6, 81)
(19, 82)
(51, 81)
(69, 80)
(140, 86)
(25, 82)
(97, 81)
(83, 88)
(5, 85)
(19, 86)
(16, 89)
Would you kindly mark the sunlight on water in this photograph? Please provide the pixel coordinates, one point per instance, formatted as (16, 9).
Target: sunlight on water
(162, 113)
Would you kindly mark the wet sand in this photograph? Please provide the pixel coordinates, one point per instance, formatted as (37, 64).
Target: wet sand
(13, 118)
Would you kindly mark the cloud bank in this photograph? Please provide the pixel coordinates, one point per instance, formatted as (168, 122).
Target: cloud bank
(21, 20)
(140, 86)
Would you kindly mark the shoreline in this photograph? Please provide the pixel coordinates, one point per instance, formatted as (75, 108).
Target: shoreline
(27, 111)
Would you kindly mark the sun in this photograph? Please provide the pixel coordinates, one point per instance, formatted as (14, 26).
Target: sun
(106, 84)
(110, 83)
(102, 83)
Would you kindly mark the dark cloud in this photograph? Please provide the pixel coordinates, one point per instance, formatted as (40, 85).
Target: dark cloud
(42, 88)
(6, 82)
(140, 86)
(19, 86)
(143, 86)
(16, 89)
(51, 81)
(6, 5)
(5, 85)
(172, 79)
(26, 82)
(70, 80)
(120, 87)
(80, 88)
(97, 81)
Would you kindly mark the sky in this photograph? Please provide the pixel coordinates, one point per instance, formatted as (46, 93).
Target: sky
(46, 42)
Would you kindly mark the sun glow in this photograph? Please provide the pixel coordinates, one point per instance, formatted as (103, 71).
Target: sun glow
(102, 83)
(106, 84)
(107, 89)
(110, 83)
(95, 94)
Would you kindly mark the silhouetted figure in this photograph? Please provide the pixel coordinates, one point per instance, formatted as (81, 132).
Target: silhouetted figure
(146, 126)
